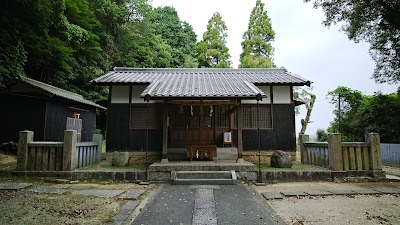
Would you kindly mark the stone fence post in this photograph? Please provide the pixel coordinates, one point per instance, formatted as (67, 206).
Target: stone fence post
(335, 152)
(375, 151)
(22, 156)
(69, 150)
(303, 138)
(98, 138)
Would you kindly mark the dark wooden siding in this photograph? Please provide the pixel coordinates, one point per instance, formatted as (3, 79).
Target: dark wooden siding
(121, 138)
(19, 113)
(56, 118)
(280, 137)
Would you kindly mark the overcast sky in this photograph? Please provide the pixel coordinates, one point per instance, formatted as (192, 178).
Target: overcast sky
(302, 45)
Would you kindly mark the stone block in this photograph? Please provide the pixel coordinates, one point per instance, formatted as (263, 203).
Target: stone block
(48, 190)
(131, 194)
(14, 186)
(99, 193)
(293, 193)
(388, 190)
(120, 158)
(367, 192)
(342, 192)
(272, 195)
(281, 159)
(318, 193)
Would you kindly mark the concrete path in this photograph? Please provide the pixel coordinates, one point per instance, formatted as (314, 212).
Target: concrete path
(206, 204)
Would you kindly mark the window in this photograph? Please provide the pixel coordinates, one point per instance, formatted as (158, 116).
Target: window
(143, 117)
(250, 119)
(222, 116)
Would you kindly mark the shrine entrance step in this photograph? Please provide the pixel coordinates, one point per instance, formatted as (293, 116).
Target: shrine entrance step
(203, 177)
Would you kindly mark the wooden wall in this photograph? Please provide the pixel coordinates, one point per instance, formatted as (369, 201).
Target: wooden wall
(121, 138)
(281, 137)
(21, 113)
(56, 118)
(44, 116)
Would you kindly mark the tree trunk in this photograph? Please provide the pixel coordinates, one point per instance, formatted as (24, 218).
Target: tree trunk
(306, 120)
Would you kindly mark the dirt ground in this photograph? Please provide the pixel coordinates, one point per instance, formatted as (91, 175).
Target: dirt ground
(358, 209)
(26, 207)
(8, 162)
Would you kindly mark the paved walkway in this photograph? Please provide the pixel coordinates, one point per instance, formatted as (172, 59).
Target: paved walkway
(206, 204)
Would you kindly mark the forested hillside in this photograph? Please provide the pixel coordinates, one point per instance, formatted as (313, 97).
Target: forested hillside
(67, 43)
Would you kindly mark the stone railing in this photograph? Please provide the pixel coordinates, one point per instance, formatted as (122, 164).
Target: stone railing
(316, 154)
(57, 156)
(346, 156)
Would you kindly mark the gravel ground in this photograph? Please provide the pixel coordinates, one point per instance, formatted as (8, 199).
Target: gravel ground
(358, 209)
(27, 207)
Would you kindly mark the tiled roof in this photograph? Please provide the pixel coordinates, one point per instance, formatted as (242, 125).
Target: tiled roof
(51, 90)
(192, 83)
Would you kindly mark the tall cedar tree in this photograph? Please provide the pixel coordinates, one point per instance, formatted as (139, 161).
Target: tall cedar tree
(256, 44)
(212, 51)
(376, 22)
(177, 34)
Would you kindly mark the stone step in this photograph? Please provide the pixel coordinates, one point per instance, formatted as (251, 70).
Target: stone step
(203, 177)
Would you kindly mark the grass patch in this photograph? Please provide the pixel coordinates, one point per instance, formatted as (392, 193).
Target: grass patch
(267, 166)
(103, 147)
(8, 166)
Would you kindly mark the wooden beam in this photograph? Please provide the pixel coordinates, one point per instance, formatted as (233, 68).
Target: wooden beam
(203, 103)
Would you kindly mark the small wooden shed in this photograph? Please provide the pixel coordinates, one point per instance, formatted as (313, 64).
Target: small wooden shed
(28, 104)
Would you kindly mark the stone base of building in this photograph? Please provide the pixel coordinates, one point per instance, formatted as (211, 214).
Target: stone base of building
(265, 156)
(138, 157)
(249, 156)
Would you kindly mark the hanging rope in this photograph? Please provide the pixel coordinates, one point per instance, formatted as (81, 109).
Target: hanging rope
(147, 139)
(258, 142)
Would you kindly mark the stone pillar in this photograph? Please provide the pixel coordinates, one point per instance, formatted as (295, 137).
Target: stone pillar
(335, 152)
(303, 138)
(69, 151)
(22, 156)
(98, 138)
(164, 158)
(375, 151)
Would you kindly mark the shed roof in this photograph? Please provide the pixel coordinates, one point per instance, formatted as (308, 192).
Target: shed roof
(201, 82)
(55, 91)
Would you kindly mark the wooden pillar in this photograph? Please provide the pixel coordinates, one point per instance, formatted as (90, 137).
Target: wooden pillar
(165, 134)
(240, 134)
(22, 156)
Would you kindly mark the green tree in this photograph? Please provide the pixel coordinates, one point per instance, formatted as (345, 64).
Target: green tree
(177, 34)
(379, 113)
(346, 102)
(212, 50)
(257, 49)
(376, 22)
(322, 135)
(362, 114)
